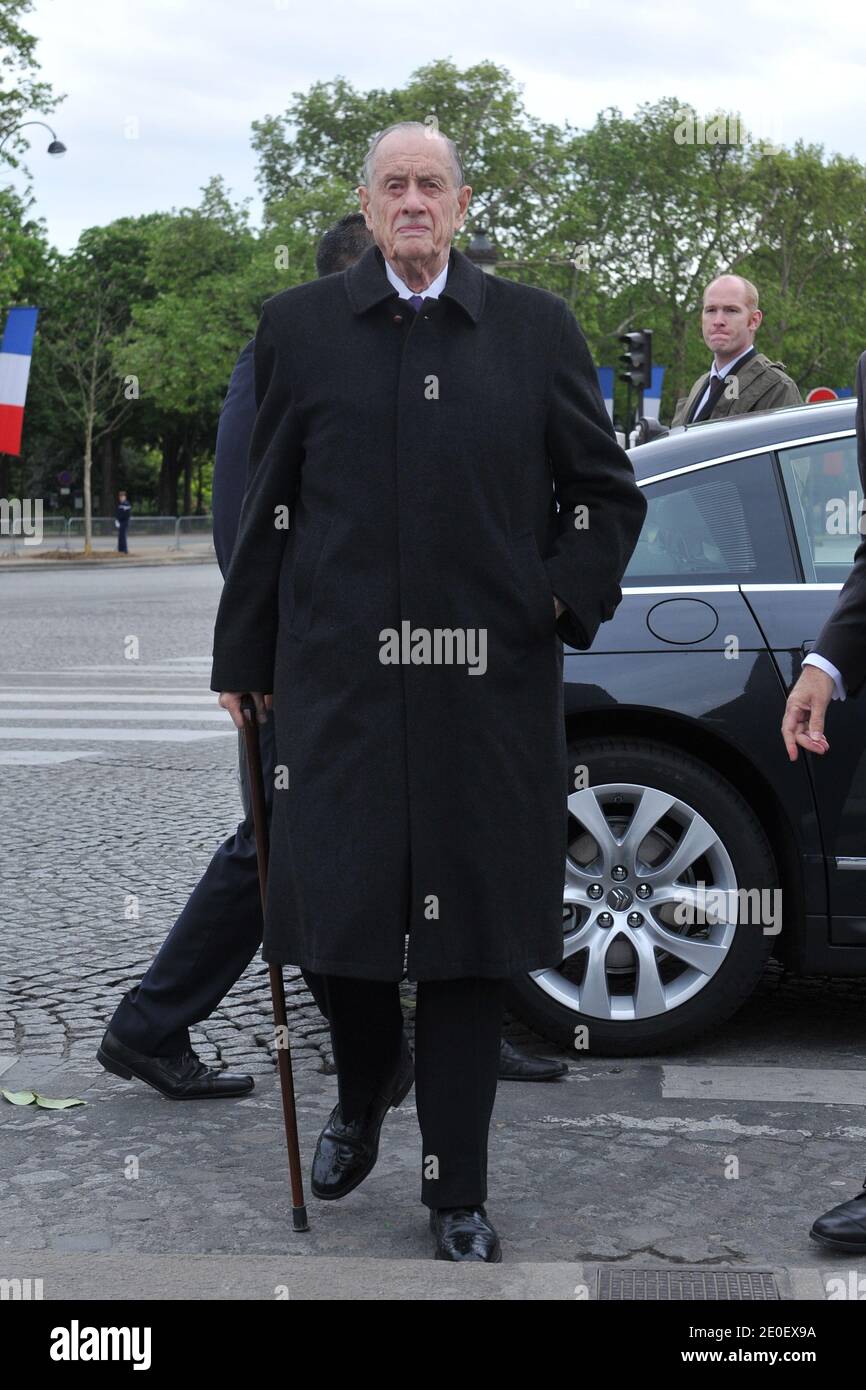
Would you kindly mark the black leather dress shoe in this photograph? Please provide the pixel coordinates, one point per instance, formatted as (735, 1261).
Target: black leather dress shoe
(515, 1065)
(464, 1233)
(844, 1227)
(347, 1150)
(180, 1078)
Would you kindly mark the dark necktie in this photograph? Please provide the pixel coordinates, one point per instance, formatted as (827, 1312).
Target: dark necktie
(717, 386)
(416, 300)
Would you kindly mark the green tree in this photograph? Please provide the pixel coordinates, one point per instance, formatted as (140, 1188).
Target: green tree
(809, 251)
(81, 324)
(78, 395)
(25, 266)
(661, 214)
(512, 160)
(205, 286)
(21, 94)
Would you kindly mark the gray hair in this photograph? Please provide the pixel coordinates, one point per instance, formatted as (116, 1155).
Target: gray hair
(369, 157)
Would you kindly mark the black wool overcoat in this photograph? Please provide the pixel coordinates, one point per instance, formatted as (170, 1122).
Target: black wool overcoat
(409, 516)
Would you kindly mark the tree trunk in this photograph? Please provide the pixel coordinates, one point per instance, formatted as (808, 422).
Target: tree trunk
(110, 453)
(187, 481)
(168, 475)
(88, 464)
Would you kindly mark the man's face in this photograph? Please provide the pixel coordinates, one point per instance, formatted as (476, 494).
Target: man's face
(728, 324)
(413, 206)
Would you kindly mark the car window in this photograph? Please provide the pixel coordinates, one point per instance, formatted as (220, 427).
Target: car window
(722, 523)
(822, 483)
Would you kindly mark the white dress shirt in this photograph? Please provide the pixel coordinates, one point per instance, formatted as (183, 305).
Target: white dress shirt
(813, 659)
(714, 372)
(433, 290)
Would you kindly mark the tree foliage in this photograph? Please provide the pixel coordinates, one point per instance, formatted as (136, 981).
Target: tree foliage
(628, 219)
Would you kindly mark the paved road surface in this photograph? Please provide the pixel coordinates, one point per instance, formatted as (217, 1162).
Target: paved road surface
(118, 781)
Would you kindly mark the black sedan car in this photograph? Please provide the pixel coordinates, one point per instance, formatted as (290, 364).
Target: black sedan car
(697, 849)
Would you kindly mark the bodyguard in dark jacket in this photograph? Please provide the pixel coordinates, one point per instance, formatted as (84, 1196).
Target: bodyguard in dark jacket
(428, 478)
(237, 418)
(834, 669)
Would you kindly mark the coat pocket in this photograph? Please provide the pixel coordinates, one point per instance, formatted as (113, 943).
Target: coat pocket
(309, 553)
(534, 583)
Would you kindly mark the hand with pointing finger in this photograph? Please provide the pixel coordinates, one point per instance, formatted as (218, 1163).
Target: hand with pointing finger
(803, 724)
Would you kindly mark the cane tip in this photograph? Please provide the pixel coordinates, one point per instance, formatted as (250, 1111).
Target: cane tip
(299, 1219)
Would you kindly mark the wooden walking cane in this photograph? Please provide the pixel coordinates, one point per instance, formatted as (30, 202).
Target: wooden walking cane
(278, 993)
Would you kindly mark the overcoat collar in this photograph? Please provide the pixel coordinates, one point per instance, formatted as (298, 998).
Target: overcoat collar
(367, 284)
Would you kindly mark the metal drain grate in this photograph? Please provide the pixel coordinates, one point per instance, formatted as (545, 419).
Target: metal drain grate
(683, 1285)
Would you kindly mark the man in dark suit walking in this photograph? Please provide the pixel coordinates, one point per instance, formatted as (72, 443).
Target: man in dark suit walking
(834, 669)
(220, 928)
(436, 497)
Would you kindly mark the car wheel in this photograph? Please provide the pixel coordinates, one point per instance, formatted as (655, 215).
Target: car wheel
(669, 909)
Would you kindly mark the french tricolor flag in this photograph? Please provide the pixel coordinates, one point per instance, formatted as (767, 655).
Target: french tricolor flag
(15, 352)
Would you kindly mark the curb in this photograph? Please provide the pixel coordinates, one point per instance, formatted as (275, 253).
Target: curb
(53, 565)
(298, 1275)
(302, 1275)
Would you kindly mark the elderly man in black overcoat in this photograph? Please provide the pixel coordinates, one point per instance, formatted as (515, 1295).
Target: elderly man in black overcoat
(436, 501)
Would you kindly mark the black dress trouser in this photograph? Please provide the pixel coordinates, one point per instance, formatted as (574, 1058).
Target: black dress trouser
(457, 1022)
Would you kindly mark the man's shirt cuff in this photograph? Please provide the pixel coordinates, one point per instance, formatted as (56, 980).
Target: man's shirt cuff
(813, 659)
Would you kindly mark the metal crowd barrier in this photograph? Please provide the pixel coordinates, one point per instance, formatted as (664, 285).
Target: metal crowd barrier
(58, 532)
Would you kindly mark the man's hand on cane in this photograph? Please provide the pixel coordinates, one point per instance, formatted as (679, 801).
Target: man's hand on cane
(803, 723)
(231, 700)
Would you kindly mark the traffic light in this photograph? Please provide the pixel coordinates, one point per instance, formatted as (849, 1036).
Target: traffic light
(637, 358)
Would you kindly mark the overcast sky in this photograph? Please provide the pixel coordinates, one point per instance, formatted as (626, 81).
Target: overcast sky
(193, 75)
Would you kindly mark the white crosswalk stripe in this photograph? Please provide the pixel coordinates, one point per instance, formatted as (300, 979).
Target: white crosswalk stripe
(138, 713)
(143, 696)
(158, 702)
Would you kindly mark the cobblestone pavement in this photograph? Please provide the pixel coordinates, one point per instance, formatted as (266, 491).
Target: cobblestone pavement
(116, 827)
(117, 781)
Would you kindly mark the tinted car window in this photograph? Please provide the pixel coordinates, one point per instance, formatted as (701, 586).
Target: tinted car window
(722, 523)
(823, 488)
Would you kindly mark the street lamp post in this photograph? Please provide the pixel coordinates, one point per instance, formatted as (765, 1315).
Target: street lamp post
(56, 147)
(482, 252)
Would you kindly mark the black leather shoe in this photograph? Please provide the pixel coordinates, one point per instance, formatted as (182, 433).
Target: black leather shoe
(180, 1078)
(515, 1065)
(844, 1227)
(346, 1151)
(464, 1233)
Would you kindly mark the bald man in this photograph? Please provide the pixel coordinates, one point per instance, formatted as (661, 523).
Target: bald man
(741, 379)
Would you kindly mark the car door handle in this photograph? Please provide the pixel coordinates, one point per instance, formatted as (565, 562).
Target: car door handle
(806, 647)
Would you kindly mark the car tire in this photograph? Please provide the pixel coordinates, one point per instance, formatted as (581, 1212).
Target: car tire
(741, 849)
